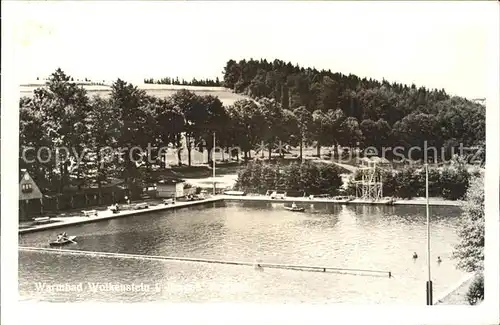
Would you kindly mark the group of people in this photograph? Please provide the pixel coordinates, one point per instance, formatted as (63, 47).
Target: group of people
(415, 256)
(114, 207)
(62, 236)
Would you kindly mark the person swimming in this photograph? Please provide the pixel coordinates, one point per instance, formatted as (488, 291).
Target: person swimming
(415, 256)
(439, 259)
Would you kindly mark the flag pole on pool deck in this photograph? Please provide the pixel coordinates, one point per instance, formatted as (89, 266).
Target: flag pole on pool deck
(213, 163)
(429, 281)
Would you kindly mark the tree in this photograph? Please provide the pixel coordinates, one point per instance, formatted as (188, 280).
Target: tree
(376, 133)
(147, 132)
(320, 127)
(288, 130)
(64, 111)
(469, 253)
(215, 121)
(128, 101)
(304, 120)
(258, 87)
(418, 130)
(104, 130)
(33, 136)
(273, 114)
(328, 95)
(196, 115)
(170, 124)
(351, 133)
(247, 125)
(328, 128)
(338, 125)
(231, 74)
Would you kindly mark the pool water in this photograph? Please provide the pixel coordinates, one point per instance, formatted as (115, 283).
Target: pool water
(358, 237)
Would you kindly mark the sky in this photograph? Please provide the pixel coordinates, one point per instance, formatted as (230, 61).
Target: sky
(432, 44)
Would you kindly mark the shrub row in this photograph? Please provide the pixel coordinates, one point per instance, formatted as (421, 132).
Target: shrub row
(447, 182)
(307, 177)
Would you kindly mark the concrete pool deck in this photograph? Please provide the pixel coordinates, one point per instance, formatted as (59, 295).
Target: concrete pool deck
(419, 201)
(457, 295)
(62, 221)
(107, 215)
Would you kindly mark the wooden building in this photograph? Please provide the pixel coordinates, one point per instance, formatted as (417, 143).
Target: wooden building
(30, 197)
(170, 188)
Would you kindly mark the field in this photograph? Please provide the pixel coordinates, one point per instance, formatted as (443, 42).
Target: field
(224, 94)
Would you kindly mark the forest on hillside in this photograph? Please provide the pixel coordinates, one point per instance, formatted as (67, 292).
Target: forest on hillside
(182, 82)
(357, 111)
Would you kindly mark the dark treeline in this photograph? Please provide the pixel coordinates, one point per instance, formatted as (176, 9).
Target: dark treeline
(177, 81)
(351, 110)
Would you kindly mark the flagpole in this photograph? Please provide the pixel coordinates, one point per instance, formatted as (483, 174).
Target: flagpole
(213, 163)
(429, 281)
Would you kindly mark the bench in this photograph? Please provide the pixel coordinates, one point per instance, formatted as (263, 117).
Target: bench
(89, 213)
(140, 206)
(168, 201)
(41, 220)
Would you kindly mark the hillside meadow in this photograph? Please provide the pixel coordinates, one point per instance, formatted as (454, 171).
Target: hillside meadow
(226, 96)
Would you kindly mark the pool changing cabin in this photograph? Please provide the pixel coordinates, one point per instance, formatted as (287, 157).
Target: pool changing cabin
(170, 188)
(30, 197)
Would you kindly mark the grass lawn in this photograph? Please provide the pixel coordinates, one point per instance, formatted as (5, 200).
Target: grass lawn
(226, 96)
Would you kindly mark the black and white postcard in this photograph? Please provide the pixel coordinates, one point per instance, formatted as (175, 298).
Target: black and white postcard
(224, 161)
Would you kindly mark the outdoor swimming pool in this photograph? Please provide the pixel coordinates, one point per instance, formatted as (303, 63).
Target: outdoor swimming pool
(365, 237)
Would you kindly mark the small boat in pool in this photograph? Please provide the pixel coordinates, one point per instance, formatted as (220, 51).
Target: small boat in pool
(63, 241)
(295, 209)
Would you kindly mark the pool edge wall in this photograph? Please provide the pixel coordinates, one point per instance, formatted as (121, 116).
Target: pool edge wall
(220, 199)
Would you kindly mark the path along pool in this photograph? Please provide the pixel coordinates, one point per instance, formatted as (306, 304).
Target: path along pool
(359, 237)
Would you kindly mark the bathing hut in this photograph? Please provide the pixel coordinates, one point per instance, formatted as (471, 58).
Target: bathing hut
(30, 197)
(170, 188)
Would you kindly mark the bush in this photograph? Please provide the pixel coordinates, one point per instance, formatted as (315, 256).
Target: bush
(351, 188)
(408, 183)
(475, 294)
(454, 182)
(313, 178)
(449, 183)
